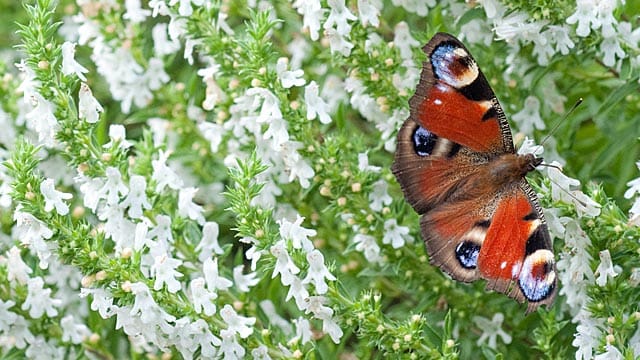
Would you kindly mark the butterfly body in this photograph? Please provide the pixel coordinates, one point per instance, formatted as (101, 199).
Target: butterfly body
(457, 166)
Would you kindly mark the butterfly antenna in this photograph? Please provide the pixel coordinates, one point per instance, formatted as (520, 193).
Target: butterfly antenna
(578, 102)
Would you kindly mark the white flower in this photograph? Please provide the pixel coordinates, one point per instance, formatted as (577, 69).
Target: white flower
(312, 13)
(205, 339)
(606, 270)
(135, 13)
(7, 317)
(16, 268)
(274, 319)
(303, 330)
(560, 34)
(288, 78)
(368, 12)
(331, 327)
(574, 268)
(54, 198)
(42, 120)
(298, 235)
(39, 300)
(185, 8)
(529, 117)
(214, 281)
(339, 17)
(213, 93)
(117, 135)
(317, 272)
(32, 233)
(338, 43)
(254, 255)
(611, 49)
(529, 147)
(368, 245)
(316, 106)
(419, 7)
(88, 107)
(261, 353)
(208, 245)
(41, 349)
(136, 200)
(229, 347)
(146, 308)
(187, 208)
(586, 17)
(395, 234)
(298, 292)
(163, 175)
(588, 335)
(21, 336)
(162, 230)
(379, 197)
(294, 165)
(491, 329)
(238, 324)
(159, 7)
(69, 64)
(517, 26)
(611, 353)
(270, 114)
(363, 163)
(162, 45)
(202, 298)
(164, 270)
(561, 191)
(213, 133)
(634, 186)
(244, 282)
(403, 40)
(72, 331)
(113, 187)
(284, 265)
(102, 301)
(315, 304)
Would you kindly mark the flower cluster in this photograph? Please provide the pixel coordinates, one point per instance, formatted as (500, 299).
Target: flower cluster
(201, 180)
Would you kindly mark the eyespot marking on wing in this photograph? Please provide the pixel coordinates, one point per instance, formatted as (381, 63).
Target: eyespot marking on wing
(453, 65)
(537, 275)
(424, 141)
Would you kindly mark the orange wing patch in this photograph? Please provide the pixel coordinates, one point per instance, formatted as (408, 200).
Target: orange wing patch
(503, 251)
(448, 113)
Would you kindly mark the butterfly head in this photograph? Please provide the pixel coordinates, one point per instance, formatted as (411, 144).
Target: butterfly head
(532, 162)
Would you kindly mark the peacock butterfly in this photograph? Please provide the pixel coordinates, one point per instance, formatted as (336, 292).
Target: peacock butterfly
(457, 166)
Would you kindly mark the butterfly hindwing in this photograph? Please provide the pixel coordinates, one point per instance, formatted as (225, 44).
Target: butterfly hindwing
(456, 164)
(517, 256)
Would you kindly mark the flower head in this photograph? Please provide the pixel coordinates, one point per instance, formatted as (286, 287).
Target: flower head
(88, 107)
(237, 324)
(69, 64)
(54, 198)
(317, 272)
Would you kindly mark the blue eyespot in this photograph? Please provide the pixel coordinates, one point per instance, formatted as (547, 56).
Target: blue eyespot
(423, 141)
(467, 254)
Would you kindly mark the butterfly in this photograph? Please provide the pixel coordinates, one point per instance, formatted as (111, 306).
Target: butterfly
(458, 168)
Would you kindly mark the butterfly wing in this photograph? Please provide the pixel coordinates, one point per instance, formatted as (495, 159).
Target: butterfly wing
(455, 118)
(454, 99)
(472, 227)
